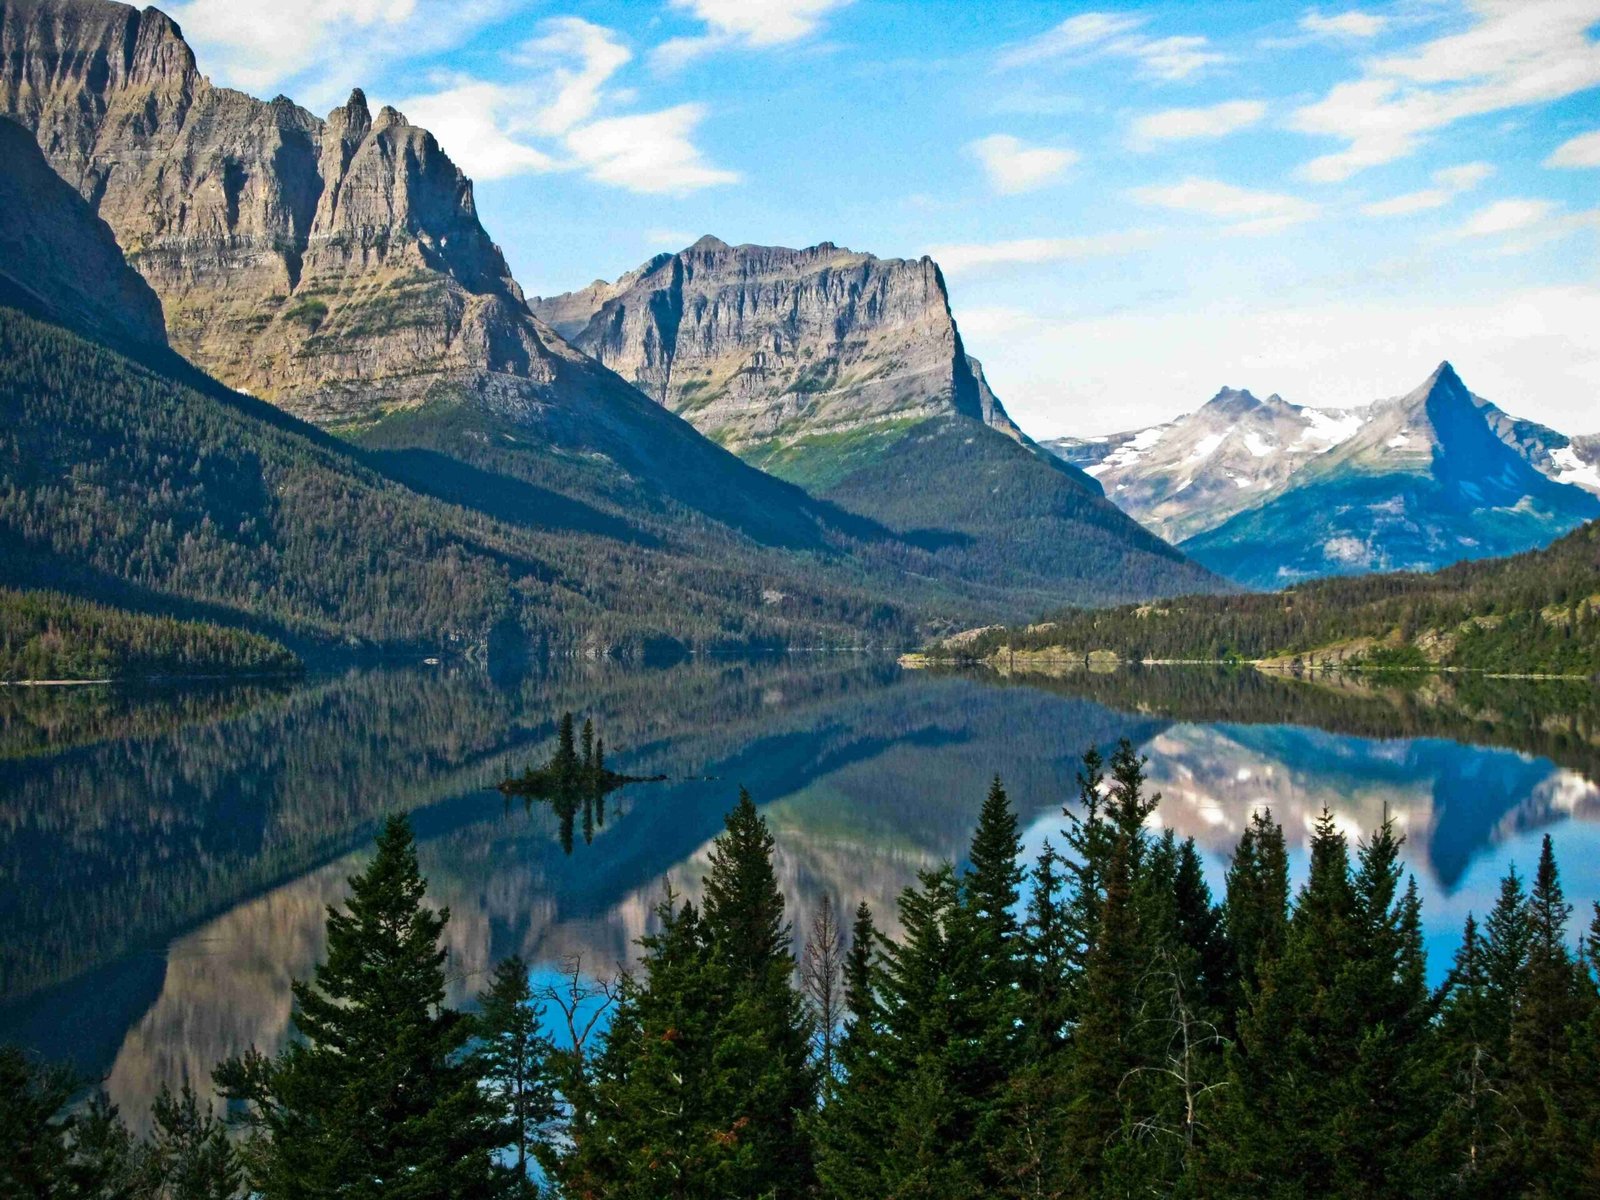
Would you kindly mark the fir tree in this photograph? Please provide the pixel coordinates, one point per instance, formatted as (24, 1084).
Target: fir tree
(513, 1057)
(588, 745)
(1256, 909)
(188, 1156)
(377, 1097)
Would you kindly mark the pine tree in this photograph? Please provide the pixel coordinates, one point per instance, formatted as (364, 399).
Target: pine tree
(513, 1058)
(1461, 1149)
(994, 877)
(378, 1095)
(565, 763)
(588, 745)
(853, 1126)
(1555, 1002)
(1256, 908)
(188, 1156)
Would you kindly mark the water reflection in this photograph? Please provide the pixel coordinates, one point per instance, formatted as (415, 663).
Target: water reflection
(168, 857)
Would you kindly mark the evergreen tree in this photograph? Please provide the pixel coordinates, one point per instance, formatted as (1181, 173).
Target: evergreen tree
(1256, 909)
(1555, 1002)
(565, 763)
(853, 1126)
(588, 745)
(188, 1156)
(1508, 943)
(513, 1058)
(993, 880)
(1460, 1151)
(377, 1097)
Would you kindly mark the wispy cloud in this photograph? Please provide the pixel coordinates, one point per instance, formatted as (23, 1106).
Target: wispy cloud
(1115, 35)
(1506, 216)
(1581, 151)
(1181, 124)
(1448, 184)
(1516, 54)
(971, 257)
(552, 121)
(1351, 24)
(1245, 210)
(1012, 166)
(749, 23)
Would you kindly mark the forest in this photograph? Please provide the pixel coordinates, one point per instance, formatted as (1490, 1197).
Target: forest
(1095, 1024)
(1531, 613)
(46, 635)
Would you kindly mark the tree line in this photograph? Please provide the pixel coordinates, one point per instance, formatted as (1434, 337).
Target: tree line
(1536, 612)
(47, 635)
(1096, 1024)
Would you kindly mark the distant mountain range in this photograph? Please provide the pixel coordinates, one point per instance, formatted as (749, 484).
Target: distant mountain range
(1270, 492)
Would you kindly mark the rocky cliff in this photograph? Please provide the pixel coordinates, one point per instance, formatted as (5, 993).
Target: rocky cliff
(336, 267)
(763, 348)
(60, 261)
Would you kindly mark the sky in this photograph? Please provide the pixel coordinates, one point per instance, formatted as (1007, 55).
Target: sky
(1133, 205)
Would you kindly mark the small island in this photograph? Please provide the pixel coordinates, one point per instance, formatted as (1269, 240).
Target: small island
(575, 779)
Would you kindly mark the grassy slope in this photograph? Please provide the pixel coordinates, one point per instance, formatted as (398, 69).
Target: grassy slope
(1536, 612)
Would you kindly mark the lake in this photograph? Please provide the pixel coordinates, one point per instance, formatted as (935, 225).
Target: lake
(167, 854)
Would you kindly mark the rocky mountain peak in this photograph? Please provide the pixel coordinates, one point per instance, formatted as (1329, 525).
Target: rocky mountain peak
(764, 347)
(335, 267)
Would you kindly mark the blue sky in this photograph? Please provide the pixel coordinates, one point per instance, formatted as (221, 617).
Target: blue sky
(1133, 204)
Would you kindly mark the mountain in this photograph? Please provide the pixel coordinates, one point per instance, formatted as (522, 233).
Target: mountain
(1391, 485)
(1427, 480)
(1537, 612)
(129, 477)
(337, 268)
(1192, 474)
(846, 373)
(769, 350)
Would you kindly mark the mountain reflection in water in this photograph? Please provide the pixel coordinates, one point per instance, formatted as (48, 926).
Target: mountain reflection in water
(168, 855)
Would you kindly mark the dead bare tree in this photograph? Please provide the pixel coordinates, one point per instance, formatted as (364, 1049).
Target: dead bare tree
(822, 982)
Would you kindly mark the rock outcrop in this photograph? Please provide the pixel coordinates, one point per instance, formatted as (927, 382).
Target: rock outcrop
(763, 347)
(59, 260)
(335, 267)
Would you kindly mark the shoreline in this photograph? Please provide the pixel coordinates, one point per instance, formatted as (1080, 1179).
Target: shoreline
(1102, 660)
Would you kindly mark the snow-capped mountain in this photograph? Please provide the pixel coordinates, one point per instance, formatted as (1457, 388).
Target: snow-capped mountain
(1192, 474)
(1443, 474)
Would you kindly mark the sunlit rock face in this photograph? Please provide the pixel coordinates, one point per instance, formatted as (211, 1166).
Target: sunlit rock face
(761, 347)
(334, 266)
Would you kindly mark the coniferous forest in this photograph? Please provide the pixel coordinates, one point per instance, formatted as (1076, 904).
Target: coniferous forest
(1095, 1024)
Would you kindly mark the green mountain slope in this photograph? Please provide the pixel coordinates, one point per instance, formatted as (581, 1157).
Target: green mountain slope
(1533, 613)
(1426, 482)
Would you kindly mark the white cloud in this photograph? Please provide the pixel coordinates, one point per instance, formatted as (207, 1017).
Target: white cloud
(1247, 211)
(1532, 351)
(730, 23)
(1581, 151)
(1450, 183)
(648, 152)
(320, 49)
(1506, 216)
(1102, 34)
(1180, 124)
(580, 58)
(475, 122)
(551, 122)
(1352, 24)
(1516, 54)
(1013, 166)
(972, 257)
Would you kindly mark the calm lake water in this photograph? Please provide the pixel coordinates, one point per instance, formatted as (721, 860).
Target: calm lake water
(166, 856)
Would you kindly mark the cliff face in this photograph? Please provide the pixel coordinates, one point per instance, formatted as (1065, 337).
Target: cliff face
(59, 260)
(760, 347)
(336, 267)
